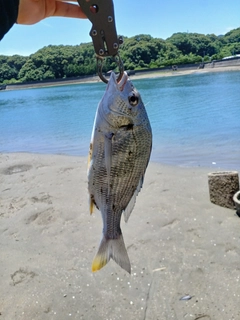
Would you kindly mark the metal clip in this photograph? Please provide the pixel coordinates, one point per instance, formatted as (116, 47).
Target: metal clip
(103, 32)
(104, 35)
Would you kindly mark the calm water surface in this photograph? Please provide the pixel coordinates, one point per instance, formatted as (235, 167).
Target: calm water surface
(195, 119)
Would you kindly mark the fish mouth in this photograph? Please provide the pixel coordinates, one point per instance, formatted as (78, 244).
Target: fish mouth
(121, 83)
(111, 110)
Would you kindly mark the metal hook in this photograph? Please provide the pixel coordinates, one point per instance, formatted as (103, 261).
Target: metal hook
(99, 69)
(119, 62)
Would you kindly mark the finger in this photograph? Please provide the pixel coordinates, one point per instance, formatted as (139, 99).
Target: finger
(64, 9)
(67, 1)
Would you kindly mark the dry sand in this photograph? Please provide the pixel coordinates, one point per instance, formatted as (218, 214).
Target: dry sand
(178, 242)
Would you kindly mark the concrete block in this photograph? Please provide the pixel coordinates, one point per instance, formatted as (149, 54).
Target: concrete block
(222, 187)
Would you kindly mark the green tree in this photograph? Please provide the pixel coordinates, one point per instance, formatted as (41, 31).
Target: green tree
(139, 52)
(195, 43)
(7, 73)
(231, 36)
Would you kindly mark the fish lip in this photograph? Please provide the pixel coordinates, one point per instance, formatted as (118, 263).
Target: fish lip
(123, 81)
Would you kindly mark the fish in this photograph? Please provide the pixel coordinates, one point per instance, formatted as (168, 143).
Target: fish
(119, 153)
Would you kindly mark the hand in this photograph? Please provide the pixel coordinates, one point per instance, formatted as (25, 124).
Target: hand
(33, 11)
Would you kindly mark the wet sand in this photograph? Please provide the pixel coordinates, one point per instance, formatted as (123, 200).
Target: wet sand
(179, 245)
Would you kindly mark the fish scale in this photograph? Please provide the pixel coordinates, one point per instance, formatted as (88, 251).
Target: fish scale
(119, 154)
(127, 172)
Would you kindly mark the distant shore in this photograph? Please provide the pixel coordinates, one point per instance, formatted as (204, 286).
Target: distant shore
(183, 72)
(139, 75)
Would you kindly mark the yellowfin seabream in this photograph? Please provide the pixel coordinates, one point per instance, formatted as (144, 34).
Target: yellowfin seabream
(119, 154)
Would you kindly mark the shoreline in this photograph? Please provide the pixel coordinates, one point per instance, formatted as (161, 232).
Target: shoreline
(29, 154)
(211, 165)
(140, 75)
(178, 243)
(185, 72)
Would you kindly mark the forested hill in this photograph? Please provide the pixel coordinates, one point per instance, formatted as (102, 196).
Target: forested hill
(138, 52)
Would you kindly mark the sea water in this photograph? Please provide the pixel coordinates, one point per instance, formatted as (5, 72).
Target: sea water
(195, 118)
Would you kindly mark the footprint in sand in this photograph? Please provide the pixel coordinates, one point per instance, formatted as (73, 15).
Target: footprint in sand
(46, 198)
(22, 275)
(43, 217)
(16, 169)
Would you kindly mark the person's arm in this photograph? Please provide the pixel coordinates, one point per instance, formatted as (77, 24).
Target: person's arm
(33, 11)
(8, 15)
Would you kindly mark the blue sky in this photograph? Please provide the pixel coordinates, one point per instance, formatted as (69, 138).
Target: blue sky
(159, 18)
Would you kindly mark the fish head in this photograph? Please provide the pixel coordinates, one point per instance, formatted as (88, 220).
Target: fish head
(122, 103)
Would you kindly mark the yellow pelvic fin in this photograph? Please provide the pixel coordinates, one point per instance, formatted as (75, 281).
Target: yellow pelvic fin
(91, 205)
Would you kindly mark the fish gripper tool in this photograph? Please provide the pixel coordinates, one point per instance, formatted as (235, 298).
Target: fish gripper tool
(104, 35)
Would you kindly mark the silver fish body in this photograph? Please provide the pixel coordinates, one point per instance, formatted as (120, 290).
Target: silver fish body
(119, 154)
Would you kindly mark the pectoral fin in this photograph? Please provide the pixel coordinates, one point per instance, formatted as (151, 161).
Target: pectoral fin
(108, 155)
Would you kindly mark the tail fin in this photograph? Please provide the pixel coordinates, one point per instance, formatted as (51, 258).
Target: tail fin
(111, 248)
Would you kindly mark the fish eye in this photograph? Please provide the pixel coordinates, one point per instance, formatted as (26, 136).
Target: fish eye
(133, 100)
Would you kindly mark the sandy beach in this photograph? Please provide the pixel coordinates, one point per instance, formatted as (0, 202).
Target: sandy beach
(179, 245)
